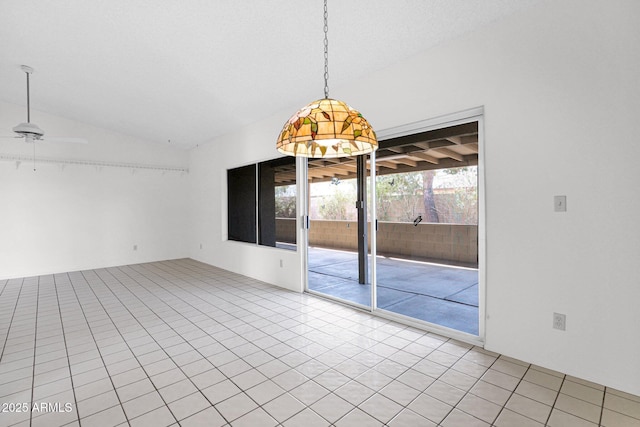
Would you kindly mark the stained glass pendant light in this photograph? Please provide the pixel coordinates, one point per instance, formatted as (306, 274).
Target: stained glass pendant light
(327, 127)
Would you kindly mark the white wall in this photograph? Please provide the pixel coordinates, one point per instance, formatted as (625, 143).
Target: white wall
(208, 167)
(561, 89)
(59, 219)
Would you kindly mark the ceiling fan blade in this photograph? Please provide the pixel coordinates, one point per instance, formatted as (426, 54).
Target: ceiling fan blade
(63, 139)
(12, 137)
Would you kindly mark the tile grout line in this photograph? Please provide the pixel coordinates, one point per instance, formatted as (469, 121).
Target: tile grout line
(197, 326)
(171, 270)
(66, 350)
(504, 406)
(312, 379)
(90, 286)
(5, 283)
(35, 348)
(604, 396)
(15, 306)
(191, 292)
(467, 392)
(555, 401)
(154, 339)
(582, 400)
(283, 342)
(84, 314)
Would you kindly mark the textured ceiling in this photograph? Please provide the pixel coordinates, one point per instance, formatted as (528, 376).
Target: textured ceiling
(191, 70)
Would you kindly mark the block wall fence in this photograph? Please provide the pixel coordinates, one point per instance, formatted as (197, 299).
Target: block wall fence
(456, 243)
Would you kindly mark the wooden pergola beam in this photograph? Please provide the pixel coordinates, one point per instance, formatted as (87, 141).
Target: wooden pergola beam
(450, 153)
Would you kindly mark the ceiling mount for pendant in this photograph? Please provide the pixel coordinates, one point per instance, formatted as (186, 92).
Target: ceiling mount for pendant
(327, 127)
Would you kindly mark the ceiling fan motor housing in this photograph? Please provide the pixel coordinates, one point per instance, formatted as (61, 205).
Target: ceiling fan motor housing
(29, 130)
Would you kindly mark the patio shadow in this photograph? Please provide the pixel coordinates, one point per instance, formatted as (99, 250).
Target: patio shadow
(436, 293)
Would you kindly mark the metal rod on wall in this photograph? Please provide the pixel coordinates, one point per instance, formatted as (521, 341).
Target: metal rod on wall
(21, 159)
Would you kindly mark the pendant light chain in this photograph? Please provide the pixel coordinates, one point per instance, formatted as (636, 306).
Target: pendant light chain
(326, 128)
(326, 52)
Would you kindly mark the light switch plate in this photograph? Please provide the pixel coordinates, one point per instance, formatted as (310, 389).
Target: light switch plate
(560, 203)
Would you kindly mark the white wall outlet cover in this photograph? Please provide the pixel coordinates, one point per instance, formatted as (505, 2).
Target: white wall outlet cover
(560, 321)
(560, 203)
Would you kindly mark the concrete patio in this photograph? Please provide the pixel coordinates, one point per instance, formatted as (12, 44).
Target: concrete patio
(437, 293)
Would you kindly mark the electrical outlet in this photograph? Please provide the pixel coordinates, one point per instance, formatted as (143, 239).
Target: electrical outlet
(135, 247)
(560, 203)
(281, 264)
(200, 245)
(560, 321)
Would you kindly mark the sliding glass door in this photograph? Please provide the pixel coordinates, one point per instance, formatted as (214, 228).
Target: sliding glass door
(399, 231)
(338, 264)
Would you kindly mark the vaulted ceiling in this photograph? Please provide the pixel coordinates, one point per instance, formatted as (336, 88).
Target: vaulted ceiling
(191, 70)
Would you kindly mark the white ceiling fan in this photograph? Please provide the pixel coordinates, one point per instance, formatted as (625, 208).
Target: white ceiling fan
(31, 132)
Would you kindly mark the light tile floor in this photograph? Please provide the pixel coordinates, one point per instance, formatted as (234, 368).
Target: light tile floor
(184, 343)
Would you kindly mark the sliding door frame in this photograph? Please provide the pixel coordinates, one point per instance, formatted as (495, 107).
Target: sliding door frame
(462, 117)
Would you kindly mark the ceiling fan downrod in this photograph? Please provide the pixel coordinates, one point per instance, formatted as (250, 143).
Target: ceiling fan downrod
(29, 130)
(28, 70)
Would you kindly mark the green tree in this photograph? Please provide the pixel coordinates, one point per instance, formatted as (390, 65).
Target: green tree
(286, 201)
(431, 213)
(341, 202)
(462, 203)
(397, 196)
